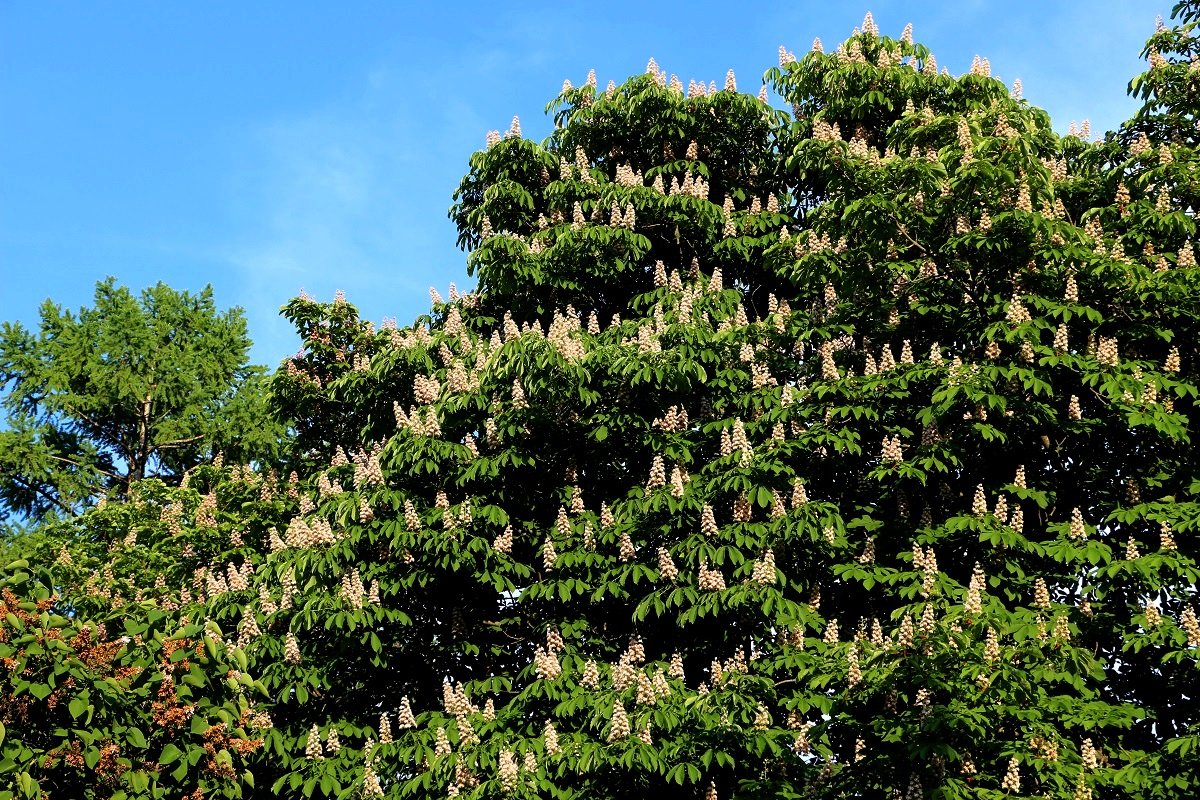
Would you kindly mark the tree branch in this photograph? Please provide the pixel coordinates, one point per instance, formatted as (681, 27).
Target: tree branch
(20, 479)
(179, 442)
(78, 465)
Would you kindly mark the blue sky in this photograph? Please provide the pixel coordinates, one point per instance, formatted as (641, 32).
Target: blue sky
(267, 146)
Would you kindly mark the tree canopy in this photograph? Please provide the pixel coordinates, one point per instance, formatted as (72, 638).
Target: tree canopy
(837, 451)
(132, 387)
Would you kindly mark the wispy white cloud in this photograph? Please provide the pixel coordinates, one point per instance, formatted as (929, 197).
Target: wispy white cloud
(349, 198)
(354, 195)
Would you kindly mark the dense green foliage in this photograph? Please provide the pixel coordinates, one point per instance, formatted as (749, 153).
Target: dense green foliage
(129, 388)
(839, 452)
(132, 702)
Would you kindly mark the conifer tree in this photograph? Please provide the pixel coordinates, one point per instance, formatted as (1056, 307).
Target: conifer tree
(129, 388)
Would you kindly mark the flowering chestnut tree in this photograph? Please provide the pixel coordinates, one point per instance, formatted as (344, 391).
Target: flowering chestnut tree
(841, 451)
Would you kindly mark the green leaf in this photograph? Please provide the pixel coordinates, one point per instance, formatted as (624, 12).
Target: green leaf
(138, 781)
(170, 755)
(135, 737)
(78, 706)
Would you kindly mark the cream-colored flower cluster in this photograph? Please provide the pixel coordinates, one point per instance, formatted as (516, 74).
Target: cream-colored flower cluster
(546, 664)
(1012, 778)
(1191, 627)
(710, 580)
(973, 605)
(405, 719)
(764, 569)
(893, 450)
(352, 589)
(1106, 352)
(507, 771)
(1166, 539)
(1041, 595)
(620, 723)
(313, 749)
(991, 648)
(1078, 528)
(666, 565)
(291, 649)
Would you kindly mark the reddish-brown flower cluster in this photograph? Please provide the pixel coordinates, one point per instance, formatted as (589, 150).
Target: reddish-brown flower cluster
(167, 711)
(107, 765)
(170, 646)
(15, 708)
(12, 605)
(70, 753)
(95, 655)
(216, 739)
